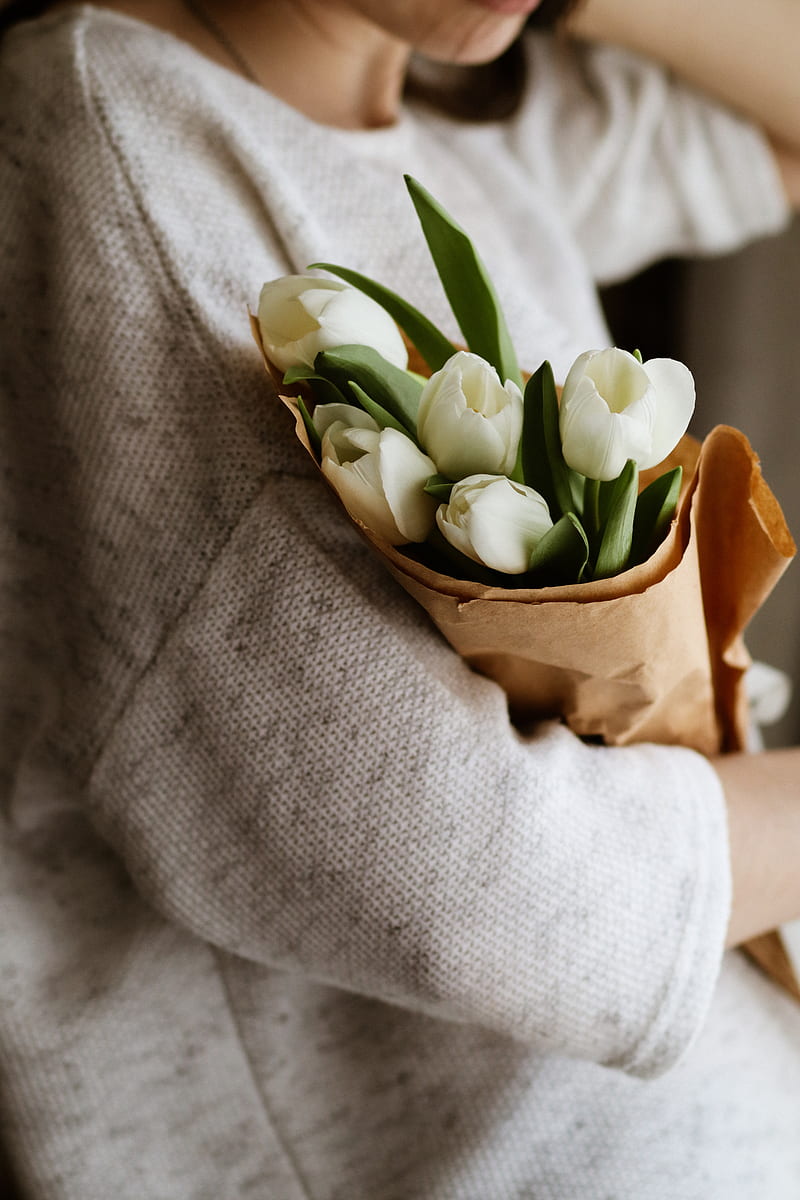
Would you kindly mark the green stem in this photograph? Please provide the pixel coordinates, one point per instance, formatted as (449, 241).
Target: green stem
(591, 507)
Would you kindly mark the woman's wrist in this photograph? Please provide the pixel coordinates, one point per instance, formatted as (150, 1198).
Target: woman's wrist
(762, 792)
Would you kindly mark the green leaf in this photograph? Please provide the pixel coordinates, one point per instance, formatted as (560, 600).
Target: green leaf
(434, 347)
(606, 494)
(577, 486)
(313, 436)
(298, 373)
(591, 508)
(467, 285)
(379, 415)
(440, 487)
(392, 388)
(655, 509)
(563, 552)
(615, 545)
(323, 390)
(543, 466)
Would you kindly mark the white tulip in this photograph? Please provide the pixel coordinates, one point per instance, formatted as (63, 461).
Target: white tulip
(495, 521)
(326, 415)
(614, 408)
(299, 315)
(380, 476)
(468, 421)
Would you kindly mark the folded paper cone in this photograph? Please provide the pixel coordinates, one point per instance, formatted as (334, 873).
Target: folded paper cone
(655, 654)
(623, 659)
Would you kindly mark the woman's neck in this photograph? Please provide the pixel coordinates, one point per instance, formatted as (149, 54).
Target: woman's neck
(316, 55)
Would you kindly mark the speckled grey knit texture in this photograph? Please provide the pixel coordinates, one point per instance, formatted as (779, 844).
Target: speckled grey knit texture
(287, 907)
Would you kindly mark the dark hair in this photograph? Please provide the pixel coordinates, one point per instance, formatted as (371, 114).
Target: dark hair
(489, 92)
(21, 10)
(551, 13)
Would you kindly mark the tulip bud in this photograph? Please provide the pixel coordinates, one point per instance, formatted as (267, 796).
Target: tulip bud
(349, 415)
(614, 408)
(468, 421)
(495, 521)
(380, 477)
(300, 315)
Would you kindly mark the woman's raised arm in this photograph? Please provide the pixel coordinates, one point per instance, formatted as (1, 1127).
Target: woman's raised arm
(742, 51)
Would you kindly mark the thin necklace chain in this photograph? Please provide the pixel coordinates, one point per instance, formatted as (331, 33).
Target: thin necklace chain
(220, 37)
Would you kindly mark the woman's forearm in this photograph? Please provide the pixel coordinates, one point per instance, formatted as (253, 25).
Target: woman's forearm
(744, 52)
(763, 796)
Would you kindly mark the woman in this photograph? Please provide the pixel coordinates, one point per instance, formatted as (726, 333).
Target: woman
(290, 909)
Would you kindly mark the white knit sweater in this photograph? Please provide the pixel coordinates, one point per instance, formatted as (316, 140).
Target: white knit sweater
(287, 907)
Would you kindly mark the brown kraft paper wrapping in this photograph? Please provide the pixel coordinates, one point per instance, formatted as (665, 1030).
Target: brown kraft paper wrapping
(654, 654)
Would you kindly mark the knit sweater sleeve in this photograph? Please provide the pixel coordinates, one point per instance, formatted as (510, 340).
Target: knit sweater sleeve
(306, 775)
(286, 756)
(640, 164)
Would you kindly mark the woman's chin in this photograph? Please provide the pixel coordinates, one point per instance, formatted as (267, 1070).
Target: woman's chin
(482, 42)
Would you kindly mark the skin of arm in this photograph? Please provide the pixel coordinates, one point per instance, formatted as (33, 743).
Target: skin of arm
(763, 799)
(741, 52)
(789, 167)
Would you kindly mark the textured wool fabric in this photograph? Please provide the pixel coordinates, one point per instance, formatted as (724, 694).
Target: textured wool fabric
(288, 908)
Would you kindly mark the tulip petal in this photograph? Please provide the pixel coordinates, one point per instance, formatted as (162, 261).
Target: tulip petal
(276, 292)
(618, 376)
(675, 391)
(455, 535)
(593, 438)
(431, 343)
(506, 523)
(495, 521)
(352, 318)
(365, 440)
(346, 443)
(362, 501)
(283, 321)
(300, 315)
(316, 300)
(348, 414)
(404, 471)
(468, 421)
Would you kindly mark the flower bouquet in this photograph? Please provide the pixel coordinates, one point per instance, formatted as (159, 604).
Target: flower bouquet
(580, 549)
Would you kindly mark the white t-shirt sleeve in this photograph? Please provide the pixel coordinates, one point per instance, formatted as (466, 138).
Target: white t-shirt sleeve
(640, 164)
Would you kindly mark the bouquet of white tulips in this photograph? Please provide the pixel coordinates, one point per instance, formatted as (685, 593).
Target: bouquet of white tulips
(579, 549)
(516, 516)
(499, 482)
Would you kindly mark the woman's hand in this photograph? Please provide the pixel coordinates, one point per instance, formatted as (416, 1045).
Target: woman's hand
(763, 795)
(744, 52)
